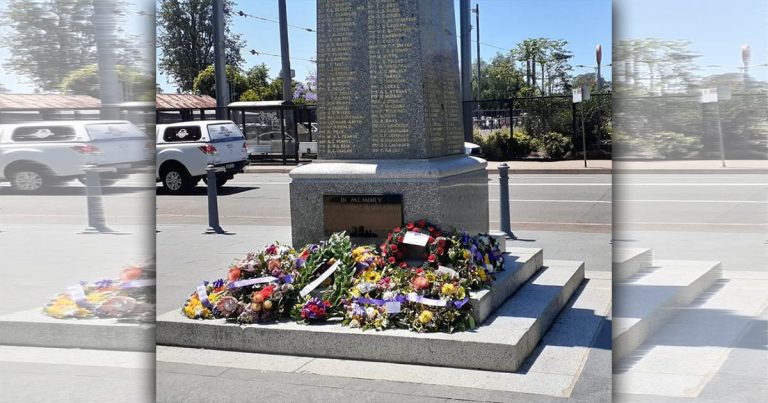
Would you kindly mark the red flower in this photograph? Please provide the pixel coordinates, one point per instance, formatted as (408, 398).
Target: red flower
(391, 260)
(419, 271)
(389, 237)
(440, 251)
(314, 308)
(130, 273)
(399, 239)
(394, 248)
(420, 283)
(267, 291)
(422, 223)
(431, 229)
(432, 258)
(409, 226)
(398, 229)
(431, 239)
(383, 247)
(441, 243)
(403, 265)
(416, 229)
(234, 274)
(438, 234)
(327, 303)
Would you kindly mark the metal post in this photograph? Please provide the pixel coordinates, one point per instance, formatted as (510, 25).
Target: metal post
(284, 52)
(296, 136)
(222, 89)
(583, 135)
(213, 204)
(477, 28)
(282, 131)
(720, 133)
(110, 90)
(573, 126)
(97, 223)
(504, 224)
(466, 68)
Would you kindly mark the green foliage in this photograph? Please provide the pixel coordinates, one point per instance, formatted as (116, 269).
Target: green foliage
(85, 81)
(205, 82)
(185, 39)
(555, 145)
(500, 146)
(675, 145)
(49, 39)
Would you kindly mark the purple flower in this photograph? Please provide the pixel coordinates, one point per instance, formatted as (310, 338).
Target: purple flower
(218, 283)
(104, 283)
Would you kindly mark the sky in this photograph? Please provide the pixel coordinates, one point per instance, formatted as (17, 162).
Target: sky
(716, 29)
(503, 24)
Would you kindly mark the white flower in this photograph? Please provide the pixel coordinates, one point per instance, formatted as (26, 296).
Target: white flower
(354, 323)
(371, 312)
(389, 295)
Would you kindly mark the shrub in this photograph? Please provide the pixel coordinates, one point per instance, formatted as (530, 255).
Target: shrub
(675, 145)
(500, 146)
(555, 145)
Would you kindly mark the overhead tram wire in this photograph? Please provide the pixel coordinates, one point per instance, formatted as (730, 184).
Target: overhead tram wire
(244, 14)
(258, 53)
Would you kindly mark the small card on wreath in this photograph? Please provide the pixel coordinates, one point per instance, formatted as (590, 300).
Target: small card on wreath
(448, 271)
(416, 238)
(392, 307)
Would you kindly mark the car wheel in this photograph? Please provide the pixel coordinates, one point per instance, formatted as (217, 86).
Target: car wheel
(28, 180)
(177, 180)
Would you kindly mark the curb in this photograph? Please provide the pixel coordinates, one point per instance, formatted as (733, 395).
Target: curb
(568, 171)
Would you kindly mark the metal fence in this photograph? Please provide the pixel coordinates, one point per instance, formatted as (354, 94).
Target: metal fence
(536, 118)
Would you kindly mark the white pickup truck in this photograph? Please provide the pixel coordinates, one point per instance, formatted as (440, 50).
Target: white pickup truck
(36, 155)
(185, 149)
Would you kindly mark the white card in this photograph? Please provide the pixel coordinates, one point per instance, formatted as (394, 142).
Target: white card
(311, 286)
(447, 270)
(392, 307)
(416, 238)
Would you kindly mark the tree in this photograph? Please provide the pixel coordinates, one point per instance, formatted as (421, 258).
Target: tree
(185, 38)
(551, 56)
(205, 82)
(501, 78)
(49, 39)
(85, 81)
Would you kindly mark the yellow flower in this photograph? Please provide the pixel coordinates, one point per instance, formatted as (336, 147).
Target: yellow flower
(461, 293)
(487, 259)
(448, 289)
(355, 292)
(425, 317)
(372, 276)
(358, 252)
(431, 276)
(467, 254)
(481, 274)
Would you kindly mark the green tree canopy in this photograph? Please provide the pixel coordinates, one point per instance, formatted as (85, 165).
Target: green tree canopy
(48, 39)
(185, 38)
(205, 82)
(85, 81)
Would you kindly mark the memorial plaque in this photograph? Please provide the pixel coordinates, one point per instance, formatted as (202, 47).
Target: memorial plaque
(362, 216)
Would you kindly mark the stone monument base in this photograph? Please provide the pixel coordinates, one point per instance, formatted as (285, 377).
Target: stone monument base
(447, 191)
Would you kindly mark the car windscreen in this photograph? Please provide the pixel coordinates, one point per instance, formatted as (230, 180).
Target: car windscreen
(110, 131)
(224, 132)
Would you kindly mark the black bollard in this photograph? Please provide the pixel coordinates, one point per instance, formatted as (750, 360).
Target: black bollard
(213, 205)
(504, 200)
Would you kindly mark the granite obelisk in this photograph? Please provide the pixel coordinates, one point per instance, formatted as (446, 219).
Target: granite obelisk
(390, 138)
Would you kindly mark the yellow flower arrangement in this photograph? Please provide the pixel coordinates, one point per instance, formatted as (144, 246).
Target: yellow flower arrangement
(448, 289)
(372, 276)
(461, 293)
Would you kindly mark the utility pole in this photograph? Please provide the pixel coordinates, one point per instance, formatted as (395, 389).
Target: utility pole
(110, 90)
(284, 53)
(219, 65)
(466, 67)
(477, 27)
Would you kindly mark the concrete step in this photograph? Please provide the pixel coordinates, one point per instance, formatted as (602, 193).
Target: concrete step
(645, 301)
(33, 328)
(502, 343)
(628, 261)
(689, 356)
(519, 265)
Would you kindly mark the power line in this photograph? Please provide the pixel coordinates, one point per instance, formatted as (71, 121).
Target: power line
(259, 53)
(244, 14)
